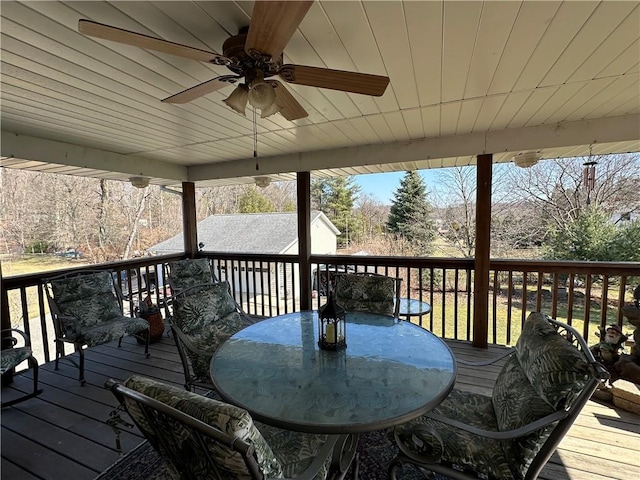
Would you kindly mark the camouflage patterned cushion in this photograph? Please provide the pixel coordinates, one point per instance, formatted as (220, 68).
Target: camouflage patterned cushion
(366, 293)
(207, 318)
(460, 448)
(232, 420)
(295, 451)
(89, 298)
(188, 273)
(11, 357)
(516, 404)
(113, 329)
(555, 368)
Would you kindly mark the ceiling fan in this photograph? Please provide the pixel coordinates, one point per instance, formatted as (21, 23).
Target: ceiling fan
(255, 54)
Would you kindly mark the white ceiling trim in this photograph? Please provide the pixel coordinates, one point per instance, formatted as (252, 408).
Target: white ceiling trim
(27, 147)
(566, 134)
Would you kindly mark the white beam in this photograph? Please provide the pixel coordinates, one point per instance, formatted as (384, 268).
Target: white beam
(586, 132)
(34, 148)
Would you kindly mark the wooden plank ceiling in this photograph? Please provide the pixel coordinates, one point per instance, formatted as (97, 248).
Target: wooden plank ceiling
(467, 78)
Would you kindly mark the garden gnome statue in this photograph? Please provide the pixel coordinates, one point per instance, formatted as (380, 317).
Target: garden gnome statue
(611, 342)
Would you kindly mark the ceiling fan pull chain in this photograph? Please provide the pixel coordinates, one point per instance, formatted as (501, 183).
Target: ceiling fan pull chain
(255, 138)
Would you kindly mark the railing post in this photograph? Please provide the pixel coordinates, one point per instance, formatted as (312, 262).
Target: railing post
(189, 223)
(304, 237)
(5, 321)
(482, 253)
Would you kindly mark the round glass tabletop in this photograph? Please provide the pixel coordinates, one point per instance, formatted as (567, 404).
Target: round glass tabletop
(389, 373)
(410, 307)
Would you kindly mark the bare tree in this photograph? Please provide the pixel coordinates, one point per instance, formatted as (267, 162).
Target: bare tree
(140, 200)
(557, 186)
(373, 215)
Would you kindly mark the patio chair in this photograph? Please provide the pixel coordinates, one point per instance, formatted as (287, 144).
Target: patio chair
(87, 311)
(368, 292)
(190, 272)
(202, 438)
(13, 354)
(510, 435)
(204, 316)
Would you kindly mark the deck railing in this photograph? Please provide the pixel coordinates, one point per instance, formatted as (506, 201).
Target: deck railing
(587, 295)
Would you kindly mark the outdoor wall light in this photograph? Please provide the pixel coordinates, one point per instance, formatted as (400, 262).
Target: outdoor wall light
(527, 159)
(262, 182)
(139, 182)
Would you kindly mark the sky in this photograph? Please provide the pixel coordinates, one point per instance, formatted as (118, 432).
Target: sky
(383, 185)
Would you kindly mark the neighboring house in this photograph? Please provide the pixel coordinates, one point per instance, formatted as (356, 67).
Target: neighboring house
(265, 233)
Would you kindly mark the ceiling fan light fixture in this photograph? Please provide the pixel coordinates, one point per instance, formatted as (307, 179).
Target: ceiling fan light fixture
(238, 98)
(262, 95)
(527, 159)
(270, 110)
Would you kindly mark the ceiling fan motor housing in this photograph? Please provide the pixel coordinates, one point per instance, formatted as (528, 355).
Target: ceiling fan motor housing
(241, 61)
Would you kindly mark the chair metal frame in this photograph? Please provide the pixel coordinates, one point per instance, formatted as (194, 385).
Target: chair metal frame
(58, 319)
(12, 341)
(155, 411)
(564, 418)
(183, 344)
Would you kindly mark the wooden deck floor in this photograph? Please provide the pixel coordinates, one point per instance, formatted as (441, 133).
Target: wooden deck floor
(62, 433)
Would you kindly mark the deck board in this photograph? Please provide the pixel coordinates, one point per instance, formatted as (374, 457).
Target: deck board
(62, 433)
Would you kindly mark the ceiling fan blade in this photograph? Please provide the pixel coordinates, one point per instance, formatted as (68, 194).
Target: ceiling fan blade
(289, 106)
(352, 82)
(273, 24)
(202, 89)
(107, 32)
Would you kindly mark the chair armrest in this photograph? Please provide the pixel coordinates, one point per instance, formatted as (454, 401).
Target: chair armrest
(186, 342)
(63, 322)
(486, 362)
(12, 339)
(504, 435)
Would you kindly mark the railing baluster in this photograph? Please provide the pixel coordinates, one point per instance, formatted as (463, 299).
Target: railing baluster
(570, 298)
(43, 322)
(444, 303)
(539, 292)
(587, 306)
(525, 297)
(605, 301)
(509, 305)
(455, 303)
(555, 292)
(494, 316)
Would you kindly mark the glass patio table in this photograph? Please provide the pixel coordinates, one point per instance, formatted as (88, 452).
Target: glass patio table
(390, 372)
(410, 307)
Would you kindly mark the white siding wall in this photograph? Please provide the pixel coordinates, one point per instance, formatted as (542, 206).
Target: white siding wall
(323, 242)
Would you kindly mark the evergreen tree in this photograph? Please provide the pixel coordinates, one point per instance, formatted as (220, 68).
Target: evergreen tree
(410, 214)
(335, 198)
(593, 237)
(253, 201)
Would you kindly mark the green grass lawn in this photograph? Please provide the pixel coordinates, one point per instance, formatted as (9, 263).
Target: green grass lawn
(36, 263)
(26, 264)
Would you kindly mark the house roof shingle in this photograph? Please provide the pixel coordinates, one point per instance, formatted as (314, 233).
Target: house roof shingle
(266, 233)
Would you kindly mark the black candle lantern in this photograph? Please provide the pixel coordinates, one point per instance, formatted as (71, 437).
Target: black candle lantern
(332, 323)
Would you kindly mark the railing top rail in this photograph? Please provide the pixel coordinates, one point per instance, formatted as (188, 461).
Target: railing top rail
(16, 281)
(437, 262)
(566, 266)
